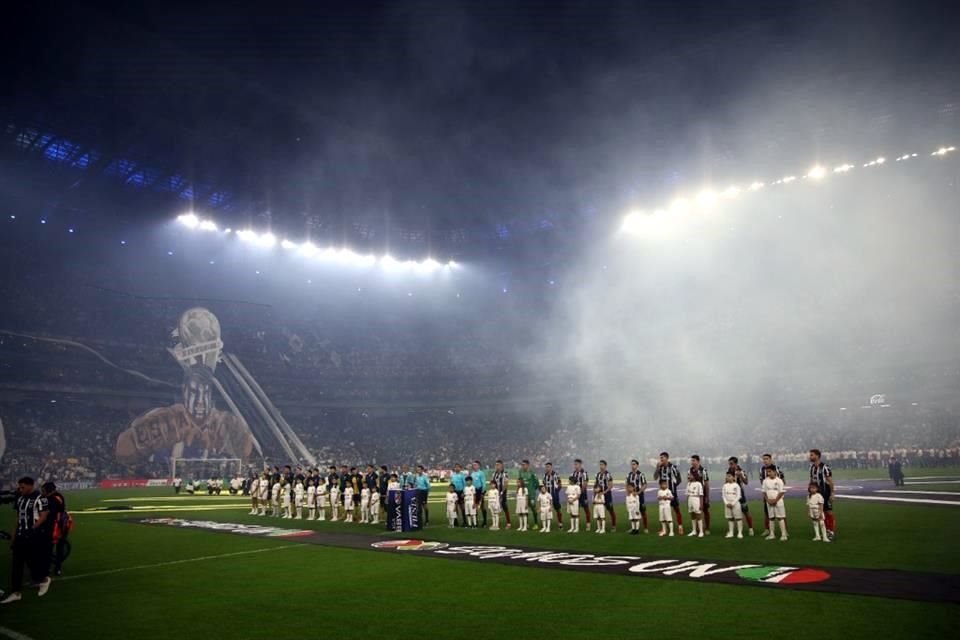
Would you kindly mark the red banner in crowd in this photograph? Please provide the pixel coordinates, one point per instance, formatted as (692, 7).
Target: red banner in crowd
(127, 483)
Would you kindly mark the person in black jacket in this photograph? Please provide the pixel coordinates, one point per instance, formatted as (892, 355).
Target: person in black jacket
(31, 541)
(61, 525)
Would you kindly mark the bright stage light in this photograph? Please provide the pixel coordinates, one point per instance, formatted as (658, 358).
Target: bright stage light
(308, 249)
(188, 220)
(247, 235)
(942, 151)
(427, 266)
(707, 198)
(843, 168)
(452, 264)
(756, 186)
(731, 192)
(816, 173)
(286, 244)
(388, 262)
(208, 225)
(267, 240)
(228, 230)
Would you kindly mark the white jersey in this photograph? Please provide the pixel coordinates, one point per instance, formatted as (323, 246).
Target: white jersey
(348, 498)
(664, 496)
(545, 503)
(731, 493)
(285, 494)
(235, 484)
(322, 495)
(633, 507)
(255, 487)
(573, 499)
(599, 507)
(815, 506)
(264, 489)
(364, 498)
(276, 492)
(493, 499)
(695, 496)
(452, 500)
(772, 487)
(298, 494)
(522, 500)
(311, 496)
(335, 494)
(374, 501)
(469, 500)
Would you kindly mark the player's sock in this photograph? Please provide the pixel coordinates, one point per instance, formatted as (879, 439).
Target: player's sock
(740, 528)
(823, 530)
(783, 530)
(613, 518)
(670, 525)
(643, 516)
(830, 522)
(766, 522)
(729, 528)
(679, 517)
(706, 517)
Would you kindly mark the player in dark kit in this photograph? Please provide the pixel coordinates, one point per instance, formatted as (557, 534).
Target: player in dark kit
(734, 469)
(822, 476)
(699, 473)
(501, 482)
(551, 480)
(579, 478)
(604, 481)
(769, 464)
(668, 472)
(639, 483)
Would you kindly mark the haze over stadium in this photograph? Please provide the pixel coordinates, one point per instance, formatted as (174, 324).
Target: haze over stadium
(248, 251)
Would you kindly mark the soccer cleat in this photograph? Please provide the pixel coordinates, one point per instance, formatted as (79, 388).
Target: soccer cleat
(769, 538)
(680, 528)
(691, 534)
(13, 597)
(729, 535)
(817, 539)
(783, 538)
(751, 531)
(740, 535)
(700, 535)
(43, 588)
(662, 533)
(671, 534)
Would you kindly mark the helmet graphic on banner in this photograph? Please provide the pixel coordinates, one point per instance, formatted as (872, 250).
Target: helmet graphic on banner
(199, 333)
(878, 399)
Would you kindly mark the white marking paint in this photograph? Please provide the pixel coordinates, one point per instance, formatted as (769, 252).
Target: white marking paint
(925, 493)
(171, 563)
(955, 503)
(14, 635)
(935, 482)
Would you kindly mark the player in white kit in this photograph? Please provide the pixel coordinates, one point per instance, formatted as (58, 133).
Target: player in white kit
(522, 506)
(254, 495)
(334, 502)
(264, 497)
(545, 504)
(815, 509)
(322, 499)
(275, 499)
(365, 505)
(773, 492)
(599, 510)
(731, 494)
(348, 504)
(470, 503)
(633, 510)
(374, 506)
(664, 497)
(695, 505)
(298, 493)
(311, 501)
(452, 500)
(573, 506)
(493, 504)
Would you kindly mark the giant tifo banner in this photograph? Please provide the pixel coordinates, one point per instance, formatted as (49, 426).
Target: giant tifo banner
(192, 427)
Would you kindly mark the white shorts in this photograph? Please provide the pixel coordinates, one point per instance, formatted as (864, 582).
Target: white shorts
(521, 508)
(733, 511)
(451, 513)
(816, 515)
(599, 511)
(469, 509)
(694, 505)
(666, 513)
(573, 508)
(777, 511)
(633, 513)
(546, 514)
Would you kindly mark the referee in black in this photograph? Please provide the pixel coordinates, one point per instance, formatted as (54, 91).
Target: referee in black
(31, 540)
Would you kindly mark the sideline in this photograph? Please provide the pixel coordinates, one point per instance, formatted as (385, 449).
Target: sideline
(171, 563)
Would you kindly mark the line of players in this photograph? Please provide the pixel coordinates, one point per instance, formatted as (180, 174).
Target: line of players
(470, 495)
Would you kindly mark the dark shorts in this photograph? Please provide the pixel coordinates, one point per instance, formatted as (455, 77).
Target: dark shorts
(584, 502)
(827, 498)
(675, 502)
(422, 496)
(608, 500)
(556, 500)
(459, 498)
(478, 502)
(503, 501)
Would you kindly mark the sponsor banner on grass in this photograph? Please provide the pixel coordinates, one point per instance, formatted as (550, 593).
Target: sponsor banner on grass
(75, 485)
(887, 583)
(123, 483)
(228, 527)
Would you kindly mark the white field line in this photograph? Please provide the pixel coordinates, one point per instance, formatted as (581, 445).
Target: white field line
(926, 493)
(152, 509)
(14, 635)
(935, 482)
(171, 563)
(955, 503)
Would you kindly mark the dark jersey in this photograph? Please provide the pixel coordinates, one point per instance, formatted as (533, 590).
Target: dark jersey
(382, 481)
(741, 477)
(700, 475)
(499, 480)
(551, 481)
(670, 473)
(776, 467)
(579, 478)
(333, 480)
(370, 480)
(820, 472)
(603, 480)
(637, 480)
(29, 510)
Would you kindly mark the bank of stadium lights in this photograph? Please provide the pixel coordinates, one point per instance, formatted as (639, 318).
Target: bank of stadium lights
(309, 250)
(661, 221)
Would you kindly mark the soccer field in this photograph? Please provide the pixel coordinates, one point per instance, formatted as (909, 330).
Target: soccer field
(131, 580)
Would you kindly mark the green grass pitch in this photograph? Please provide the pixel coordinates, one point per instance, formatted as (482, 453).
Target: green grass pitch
(131, 581)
